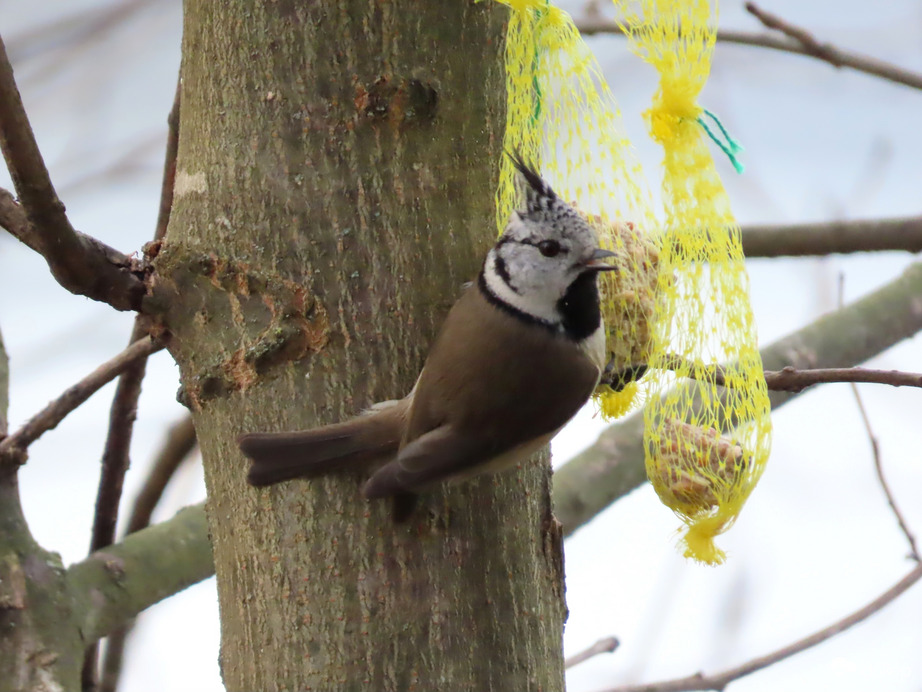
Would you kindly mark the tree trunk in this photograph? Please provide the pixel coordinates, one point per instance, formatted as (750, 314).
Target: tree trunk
(334, 190)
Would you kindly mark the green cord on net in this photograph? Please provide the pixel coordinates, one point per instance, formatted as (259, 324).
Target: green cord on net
(731, 148)
(536, 60)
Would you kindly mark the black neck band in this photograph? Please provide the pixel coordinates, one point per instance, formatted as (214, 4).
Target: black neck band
(494, 300)
(580, 313)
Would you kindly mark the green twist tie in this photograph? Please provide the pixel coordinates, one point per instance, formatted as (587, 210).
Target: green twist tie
(536, 59)
(731, 148)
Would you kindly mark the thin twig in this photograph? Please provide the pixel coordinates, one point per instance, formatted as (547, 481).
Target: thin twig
(854, 61)
(829, 53)
(719, 681)
(122, 414)
(823, 51)
(878, 466)
(78, 266)
(791, 379)
(15, 445)
(603, 646)
(80, 27)
(178, 446)
(865, 235)
(169, 166)
(875, 451)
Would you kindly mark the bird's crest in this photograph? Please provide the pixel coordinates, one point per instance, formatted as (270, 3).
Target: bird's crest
(538, 195)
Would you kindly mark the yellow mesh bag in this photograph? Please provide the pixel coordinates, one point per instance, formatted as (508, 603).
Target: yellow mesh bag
(562, 117)
(679, 304)
(702, 315)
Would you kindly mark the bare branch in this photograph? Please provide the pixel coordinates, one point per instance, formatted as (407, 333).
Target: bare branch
(178, 446)
(125, 401)
(875, 450)
(113, 585)
(719, 681)
(25, 161)
(169, 166)
(79, 266)
(835, 56)
(791, 379)
(854, 61)
(799, 240)
(823, 51)
(878, 467)
(125, 407)
(603, 646)
(122, 415)
(12, 448)
(15, 220)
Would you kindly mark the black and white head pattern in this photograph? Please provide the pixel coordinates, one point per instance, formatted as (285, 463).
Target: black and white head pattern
(540, 267)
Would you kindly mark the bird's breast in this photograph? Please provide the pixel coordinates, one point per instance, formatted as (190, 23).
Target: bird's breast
(594, 347)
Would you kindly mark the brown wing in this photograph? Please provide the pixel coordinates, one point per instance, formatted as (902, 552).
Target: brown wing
(435, 456)
(498, 378)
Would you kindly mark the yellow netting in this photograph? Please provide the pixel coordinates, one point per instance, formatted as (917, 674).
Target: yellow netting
(703, 315)
(679, 304)
(562, 118)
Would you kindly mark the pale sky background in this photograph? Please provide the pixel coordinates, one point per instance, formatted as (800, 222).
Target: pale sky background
(816, 540)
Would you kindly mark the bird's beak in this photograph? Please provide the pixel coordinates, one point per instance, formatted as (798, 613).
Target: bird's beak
(595, 260)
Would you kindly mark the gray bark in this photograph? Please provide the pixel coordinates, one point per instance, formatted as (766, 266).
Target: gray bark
(39, 648)
(335, 184)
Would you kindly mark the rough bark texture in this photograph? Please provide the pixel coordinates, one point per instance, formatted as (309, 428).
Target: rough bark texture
(49, 615)
(335, 185)
(4, 388)
(115, 584)
(614, 465)
(40, 649)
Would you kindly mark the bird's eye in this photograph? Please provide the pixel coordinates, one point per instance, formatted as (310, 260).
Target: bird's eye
(549, 248)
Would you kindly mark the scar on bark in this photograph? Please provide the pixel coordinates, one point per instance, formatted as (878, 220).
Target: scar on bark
(292, 323)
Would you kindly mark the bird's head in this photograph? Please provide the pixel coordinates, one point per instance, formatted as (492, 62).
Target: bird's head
(546, 246)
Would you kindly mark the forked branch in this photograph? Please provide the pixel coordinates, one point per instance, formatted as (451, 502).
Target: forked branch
(790, 43)
(80, 264)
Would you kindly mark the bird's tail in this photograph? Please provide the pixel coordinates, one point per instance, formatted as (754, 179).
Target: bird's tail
(345, 446)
